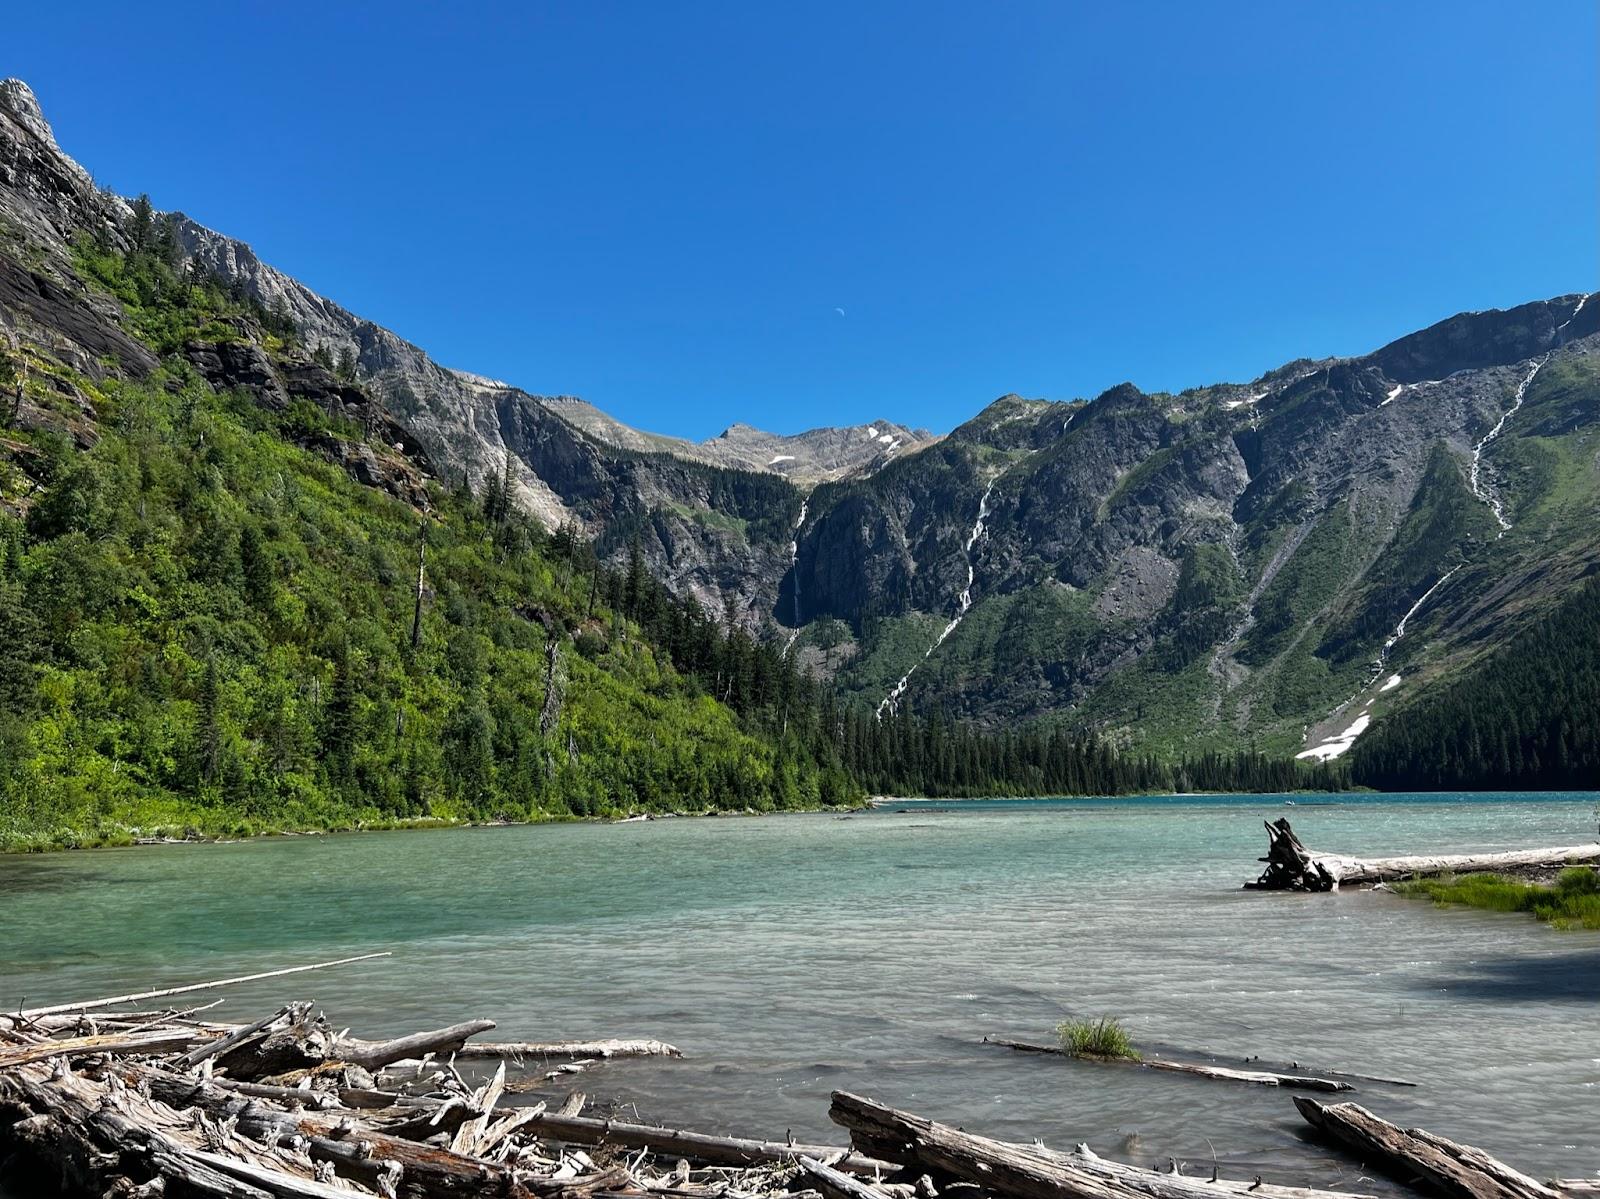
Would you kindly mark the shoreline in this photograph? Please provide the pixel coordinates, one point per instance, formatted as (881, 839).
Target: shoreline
(129, 836)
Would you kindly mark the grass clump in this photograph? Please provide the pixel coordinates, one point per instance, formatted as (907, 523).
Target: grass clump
(1572, 901)
(1104, 1038)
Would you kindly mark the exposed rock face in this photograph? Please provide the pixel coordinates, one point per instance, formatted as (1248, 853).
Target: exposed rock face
(242, 364)
(40, 187)
(76, 326)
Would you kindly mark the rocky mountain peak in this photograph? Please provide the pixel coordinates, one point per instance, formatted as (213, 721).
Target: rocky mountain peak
(17, 98)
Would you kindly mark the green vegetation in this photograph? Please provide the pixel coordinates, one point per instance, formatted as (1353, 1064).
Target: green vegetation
(1524, 717)
(1303, 586)
(206, 628)
(1443, 521)
(1204, 607)
(1104, 1039)
(1573, 902)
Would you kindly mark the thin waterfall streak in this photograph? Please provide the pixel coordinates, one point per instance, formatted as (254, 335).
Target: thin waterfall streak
(794, 572)
(891, 701)
(1487, 495)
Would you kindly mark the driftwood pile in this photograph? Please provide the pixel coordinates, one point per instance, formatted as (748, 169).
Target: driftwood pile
(135, 1104)
(1290, 866)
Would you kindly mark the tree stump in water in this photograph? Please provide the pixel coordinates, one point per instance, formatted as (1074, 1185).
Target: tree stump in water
(1290, 865)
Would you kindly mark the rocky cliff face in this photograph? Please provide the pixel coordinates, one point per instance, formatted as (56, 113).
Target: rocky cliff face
(1238, 564)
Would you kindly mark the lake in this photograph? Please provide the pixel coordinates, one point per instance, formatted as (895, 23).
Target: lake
(791, 955)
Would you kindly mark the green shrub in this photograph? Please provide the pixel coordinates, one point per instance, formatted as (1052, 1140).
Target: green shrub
(1104, 1038)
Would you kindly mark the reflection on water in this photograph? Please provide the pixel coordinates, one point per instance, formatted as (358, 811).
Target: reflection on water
(791, 955)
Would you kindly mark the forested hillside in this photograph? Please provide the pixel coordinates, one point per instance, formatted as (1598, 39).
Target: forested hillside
(204, 620)
(1527, 717)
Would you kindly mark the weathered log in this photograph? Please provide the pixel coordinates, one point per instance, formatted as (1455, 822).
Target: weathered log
(320, 1100)
(285, 1016)
(155, 1042)
(696, 1146)
(836, 1184)
(1027, 1171)
(1290, 866)
(302, 1042)
(466, 1139)
(88, 1141)
(1266, 1078)
(373, 1055)
(270, 1182)
(612, 1047)
(89, 1005)
(1460, 1171)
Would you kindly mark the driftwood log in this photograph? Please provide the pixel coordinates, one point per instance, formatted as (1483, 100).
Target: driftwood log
(610, 1048)
(713, 1150)
(1023, 1171)
(1460, 1171)
(1290, 866)
(1264, 1078)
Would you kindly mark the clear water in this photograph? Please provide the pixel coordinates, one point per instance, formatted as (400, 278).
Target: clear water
(791, 955)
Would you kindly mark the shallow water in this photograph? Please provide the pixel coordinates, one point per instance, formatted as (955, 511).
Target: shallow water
(791, 955)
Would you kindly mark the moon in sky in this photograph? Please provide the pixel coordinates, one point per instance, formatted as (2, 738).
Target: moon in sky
(840, 311)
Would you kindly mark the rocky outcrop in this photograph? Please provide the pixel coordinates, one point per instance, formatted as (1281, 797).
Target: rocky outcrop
(242, 364)
(41, 189)
(78, 328)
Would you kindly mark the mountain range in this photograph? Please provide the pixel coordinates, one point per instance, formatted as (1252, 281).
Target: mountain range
(1275, 564)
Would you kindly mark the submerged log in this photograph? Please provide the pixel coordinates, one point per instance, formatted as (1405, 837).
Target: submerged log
(1290, 866)
(89, 1005)
(1264, 1078)
(1460, 1171)
(1176, 1186)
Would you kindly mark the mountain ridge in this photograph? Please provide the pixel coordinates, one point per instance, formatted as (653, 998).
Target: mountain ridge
(1197, 571)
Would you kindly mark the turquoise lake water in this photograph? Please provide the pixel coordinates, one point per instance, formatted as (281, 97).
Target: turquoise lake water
(790, 955)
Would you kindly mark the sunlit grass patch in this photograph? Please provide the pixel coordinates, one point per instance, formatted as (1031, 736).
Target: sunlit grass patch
(1104, 1037)
(1573, 901)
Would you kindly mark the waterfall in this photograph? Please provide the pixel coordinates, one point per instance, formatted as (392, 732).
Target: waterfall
(794, 573)
(1487, 496)
(963, 602)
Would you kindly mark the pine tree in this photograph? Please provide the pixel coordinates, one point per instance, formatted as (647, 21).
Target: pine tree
(142, 229)
(339, 719)
(208, 722)
(256, 564)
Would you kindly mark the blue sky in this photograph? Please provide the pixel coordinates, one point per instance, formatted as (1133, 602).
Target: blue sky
(793, 215)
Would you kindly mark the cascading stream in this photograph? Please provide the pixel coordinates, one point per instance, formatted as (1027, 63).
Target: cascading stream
(1487, 495)
(891, 701)
(794, 573)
